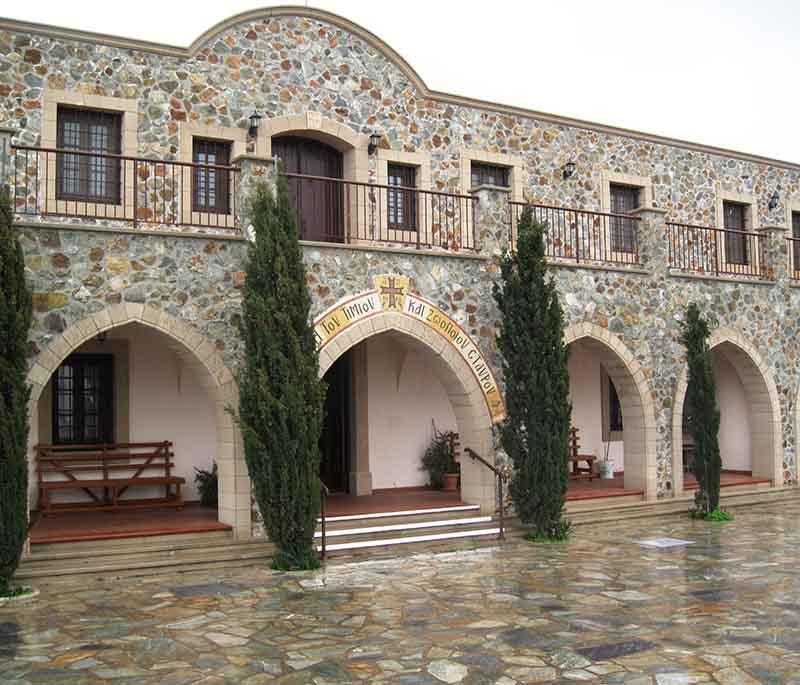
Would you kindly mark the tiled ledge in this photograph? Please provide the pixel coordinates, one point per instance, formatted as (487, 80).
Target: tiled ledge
(618, 268)
(93, 228)
(721, 279)
(405, 251)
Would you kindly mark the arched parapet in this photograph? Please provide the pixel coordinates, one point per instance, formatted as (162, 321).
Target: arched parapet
(199, 355)
(636, 400)
(761, 391)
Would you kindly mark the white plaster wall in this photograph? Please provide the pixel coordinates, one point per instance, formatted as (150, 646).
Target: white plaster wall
(404, 396)
(165, 402)
(735, 444)
(585, 390)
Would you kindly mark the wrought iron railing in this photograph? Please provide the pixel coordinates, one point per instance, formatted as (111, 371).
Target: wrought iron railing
(579, 235)
(334, 210)
(52, 182)
(500, 478)
(715, 251)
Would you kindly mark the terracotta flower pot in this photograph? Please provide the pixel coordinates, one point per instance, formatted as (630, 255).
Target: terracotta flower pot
(450, 482)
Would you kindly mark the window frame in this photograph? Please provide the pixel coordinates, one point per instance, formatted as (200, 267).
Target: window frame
(85, 164)
(483, 176)
(794, 228)
(611, 432)
(407, 199)
(734, 242)
(104, 400)
(622, 232)
(220, 177)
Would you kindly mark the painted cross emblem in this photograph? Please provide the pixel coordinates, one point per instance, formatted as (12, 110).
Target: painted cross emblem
(392, 290)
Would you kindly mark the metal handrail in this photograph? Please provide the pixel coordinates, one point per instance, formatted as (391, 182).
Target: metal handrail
(613, 215)
(324, 492)
(384, 186)
(501, 478)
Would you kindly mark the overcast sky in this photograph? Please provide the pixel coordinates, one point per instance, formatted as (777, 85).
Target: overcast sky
(720, 73)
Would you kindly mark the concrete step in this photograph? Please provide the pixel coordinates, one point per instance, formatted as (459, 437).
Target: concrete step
(385, 542)
(387, 518)
(121, 545)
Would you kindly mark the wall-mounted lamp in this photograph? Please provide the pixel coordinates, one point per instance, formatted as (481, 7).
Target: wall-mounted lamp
(773, 201)
(255, 122)
(568, 170)
(374, 141)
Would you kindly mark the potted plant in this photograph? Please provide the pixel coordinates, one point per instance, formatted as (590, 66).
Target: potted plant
(207, 485)
(440, 462)
(606, 466)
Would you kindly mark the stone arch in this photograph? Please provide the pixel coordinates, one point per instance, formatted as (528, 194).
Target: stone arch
(636, 400)
(462, 387)
(352, 145)
(761, 392)
(199, 355)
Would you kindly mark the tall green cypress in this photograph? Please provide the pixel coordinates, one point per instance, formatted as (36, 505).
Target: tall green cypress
(281, 395)
(15, 322)
(701, 409)
(531, 339)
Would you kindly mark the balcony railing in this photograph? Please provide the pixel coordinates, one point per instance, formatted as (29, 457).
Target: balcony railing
(109, 188)
(715, 251)
(577, 235)
(337, 211)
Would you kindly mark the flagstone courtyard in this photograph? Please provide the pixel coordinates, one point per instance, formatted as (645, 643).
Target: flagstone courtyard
(602, 608)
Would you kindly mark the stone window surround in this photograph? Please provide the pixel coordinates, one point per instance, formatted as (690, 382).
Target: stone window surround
(422, 162)
(608, 178)
(751, 222)
(237, 137)
(513, 162)
(128, 107)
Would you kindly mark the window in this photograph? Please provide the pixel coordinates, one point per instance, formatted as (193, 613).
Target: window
(796, 241)
(93, 178)
(611, 409)
(83, 409)
(614, 409)
(211, 187)
(489, 175)
(734, 217)
(624, 200)
(402, 204)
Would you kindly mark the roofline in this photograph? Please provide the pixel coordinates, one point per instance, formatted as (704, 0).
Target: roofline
(381, 46)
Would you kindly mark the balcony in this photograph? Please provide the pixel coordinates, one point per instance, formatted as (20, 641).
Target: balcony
(110, 190)
(716, 251)
(334, 210)
(581, 236)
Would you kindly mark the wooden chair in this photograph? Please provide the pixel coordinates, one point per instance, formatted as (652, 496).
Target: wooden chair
(574, 459)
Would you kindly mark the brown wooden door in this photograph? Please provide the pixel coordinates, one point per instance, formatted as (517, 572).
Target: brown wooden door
(319, 203)
(335, 439)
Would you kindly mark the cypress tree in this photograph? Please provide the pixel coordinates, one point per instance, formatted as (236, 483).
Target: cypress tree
(281, 395)
(701, 410)
(536, 432)
(15, 322)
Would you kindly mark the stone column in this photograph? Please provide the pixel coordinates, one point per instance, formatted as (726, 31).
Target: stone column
(492, 217)
(252, 171)
(776, 252)
(360, 477)
(653, 240)
(6, 170)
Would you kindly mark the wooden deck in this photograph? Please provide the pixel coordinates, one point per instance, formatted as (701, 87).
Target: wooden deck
(401, 499)
(728, 479)
(111, 525)
(598, 488)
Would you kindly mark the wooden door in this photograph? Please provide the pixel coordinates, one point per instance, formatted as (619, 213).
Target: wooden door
(319, 203)
(335, 439)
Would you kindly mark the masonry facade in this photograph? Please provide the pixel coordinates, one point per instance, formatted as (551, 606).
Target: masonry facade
(705, 225)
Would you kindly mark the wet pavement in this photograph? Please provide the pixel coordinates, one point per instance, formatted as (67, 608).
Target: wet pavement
(602, 608)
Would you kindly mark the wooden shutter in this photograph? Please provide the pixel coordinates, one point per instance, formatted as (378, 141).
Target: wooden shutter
(735, 243)
(624, 200)
(211, 187)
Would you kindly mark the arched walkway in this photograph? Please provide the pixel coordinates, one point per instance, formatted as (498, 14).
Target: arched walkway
(639, 425)
(762, 399)
(198, 355)
(462, 387)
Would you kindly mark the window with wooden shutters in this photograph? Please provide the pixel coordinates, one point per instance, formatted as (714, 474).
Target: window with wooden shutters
(735, 243)
(402, 204)
(624, 200)
(89, 177)
(211, 186)
(796, 241)
(83, 410)
(489, 175)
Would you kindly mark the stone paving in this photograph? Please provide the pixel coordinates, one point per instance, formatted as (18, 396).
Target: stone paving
(601, 609)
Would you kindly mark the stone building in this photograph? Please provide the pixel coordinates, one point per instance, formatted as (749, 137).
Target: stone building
(130, 164)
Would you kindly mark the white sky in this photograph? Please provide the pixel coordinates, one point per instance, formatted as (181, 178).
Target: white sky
(713, 72)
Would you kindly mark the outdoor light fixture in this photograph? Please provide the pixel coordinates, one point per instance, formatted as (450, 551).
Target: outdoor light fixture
(374, 140)
(773, 201)
(568, 170)
(255, 122)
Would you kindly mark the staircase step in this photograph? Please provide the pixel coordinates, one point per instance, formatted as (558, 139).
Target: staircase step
(133, 543)
(410, 539)
(416, 525)
(467, 509)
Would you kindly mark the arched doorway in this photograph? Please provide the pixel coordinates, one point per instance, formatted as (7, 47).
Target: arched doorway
(750, 440)
(149, 347)
(612, 406)
(319, 202)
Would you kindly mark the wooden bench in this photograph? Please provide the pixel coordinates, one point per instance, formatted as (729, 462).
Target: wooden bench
(104, 473)
(574, 459)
